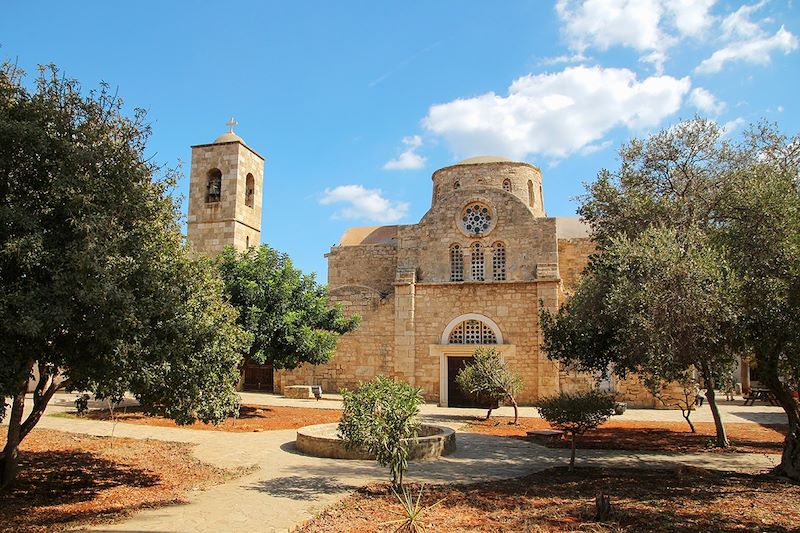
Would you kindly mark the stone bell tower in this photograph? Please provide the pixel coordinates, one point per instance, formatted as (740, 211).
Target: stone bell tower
(225, 190)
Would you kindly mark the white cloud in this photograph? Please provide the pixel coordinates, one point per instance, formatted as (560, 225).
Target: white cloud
(566, 58)
(756, 50)
(409, 158)
(650, 27)
(730, 126)
(706, 102)
(738, 23)
(364, 204)
(556, 114)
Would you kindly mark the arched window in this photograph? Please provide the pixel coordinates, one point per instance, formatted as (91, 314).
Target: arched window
(478, 269)
(499, 262)
(457, 184)
(507, 185)
(456, 263)
(213, 185)
(530, 193)
(250, 190)
(247, 241)
(472, 332)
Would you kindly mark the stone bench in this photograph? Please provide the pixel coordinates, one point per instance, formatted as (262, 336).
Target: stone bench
(302, 392)
(545, 436)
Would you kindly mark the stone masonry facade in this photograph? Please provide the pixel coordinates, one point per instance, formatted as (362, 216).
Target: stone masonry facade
(424, 289)
(233, 217)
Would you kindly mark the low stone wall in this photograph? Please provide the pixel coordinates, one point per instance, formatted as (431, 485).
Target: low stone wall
(321, 440)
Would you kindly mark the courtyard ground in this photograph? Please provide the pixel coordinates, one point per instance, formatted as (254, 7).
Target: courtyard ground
(671, 500)
(649, 435)
(67, 480)
(287, 488)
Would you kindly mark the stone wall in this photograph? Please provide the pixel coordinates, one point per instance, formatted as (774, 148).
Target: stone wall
(361, 355)
(371, 265)
(573, 256)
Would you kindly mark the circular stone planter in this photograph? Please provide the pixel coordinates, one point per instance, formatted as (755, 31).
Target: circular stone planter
(321, 440)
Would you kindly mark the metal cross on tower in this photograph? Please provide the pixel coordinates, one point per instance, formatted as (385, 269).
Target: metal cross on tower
(231, 124)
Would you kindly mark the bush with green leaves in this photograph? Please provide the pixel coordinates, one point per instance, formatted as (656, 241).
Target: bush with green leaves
(380, 416)
(488, 379)
(576, 413)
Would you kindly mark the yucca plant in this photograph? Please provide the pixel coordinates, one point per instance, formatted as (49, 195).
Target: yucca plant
(411, 511)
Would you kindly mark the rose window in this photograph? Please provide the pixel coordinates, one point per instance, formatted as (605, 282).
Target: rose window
(476, 219)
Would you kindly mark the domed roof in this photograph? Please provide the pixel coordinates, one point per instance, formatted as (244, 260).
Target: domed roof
(485, 159)
(227, 137)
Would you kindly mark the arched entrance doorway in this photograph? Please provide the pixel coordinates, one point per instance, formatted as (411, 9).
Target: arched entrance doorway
(459, 340)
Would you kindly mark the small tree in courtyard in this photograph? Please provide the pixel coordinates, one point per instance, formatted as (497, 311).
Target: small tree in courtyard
(576, 413)
(488, 378)
(380, 416)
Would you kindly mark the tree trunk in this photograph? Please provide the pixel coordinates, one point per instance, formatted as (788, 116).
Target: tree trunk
(790, 458)
(488, 414)
(691, 426)
(10, 454)
(572, 455)
(722, 436)
(516, 409)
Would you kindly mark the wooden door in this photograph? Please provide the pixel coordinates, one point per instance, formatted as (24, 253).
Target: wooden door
(258, 377)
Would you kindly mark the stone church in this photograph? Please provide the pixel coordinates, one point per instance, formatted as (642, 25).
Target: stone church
(473, 272)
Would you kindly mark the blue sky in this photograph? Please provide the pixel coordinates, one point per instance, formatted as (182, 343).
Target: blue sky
(355, 104)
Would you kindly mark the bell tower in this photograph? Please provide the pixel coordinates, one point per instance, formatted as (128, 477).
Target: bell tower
(225, 192)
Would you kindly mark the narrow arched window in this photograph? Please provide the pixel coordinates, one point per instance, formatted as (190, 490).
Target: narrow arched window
(499, 262)
(250, 190)
(247, 241)
(457, 184)
(507, 185)
(472, 332)
(456, 263)
(478, 269)
(530, 193)
(213, 185)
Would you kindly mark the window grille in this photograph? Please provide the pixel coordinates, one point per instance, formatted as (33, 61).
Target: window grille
(499, 262)
(478, 269)
(472, 332)
(456, 263)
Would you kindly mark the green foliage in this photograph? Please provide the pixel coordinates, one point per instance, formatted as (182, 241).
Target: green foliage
(576, 413)
(380, 416)
(488, 378)
(287, 312)
(96, 284)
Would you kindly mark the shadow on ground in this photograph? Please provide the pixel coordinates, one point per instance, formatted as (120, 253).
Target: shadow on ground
(301, 487)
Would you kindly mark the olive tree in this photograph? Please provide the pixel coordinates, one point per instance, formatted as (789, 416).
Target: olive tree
(380, 416)
(744, 196)
(488, 378)
(576, 413)
(97, 290)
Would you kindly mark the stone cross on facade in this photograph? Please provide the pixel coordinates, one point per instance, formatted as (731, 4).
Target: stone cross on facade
(231, 124)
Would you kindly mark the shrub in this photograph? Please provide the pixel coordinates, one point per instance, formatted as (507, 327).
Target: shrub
(487, 378)
(576, 413)
(380, 417)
